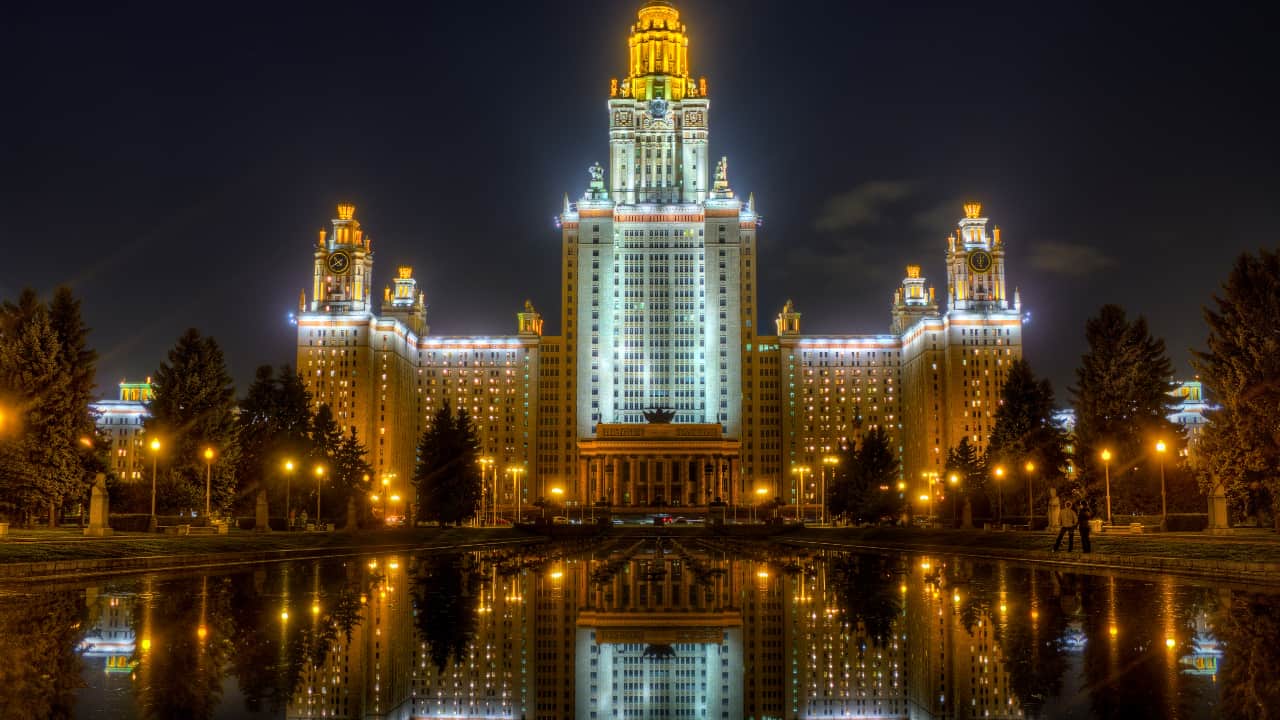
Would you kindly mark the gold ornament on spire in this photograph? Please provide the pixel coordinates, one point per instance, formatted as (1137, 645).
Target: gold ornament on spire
(346, 211)
(659, 56)
(973, 210)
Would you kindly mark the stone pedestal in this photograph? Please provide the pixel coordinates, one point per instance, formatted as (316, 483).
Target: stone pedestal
(1055, 511)
(261, 518)
(966, 515)
(352, 519)
(1218, 522)
(99, 525)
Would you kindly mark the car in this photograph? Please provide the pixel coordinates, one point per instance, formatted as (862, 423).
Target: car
(559, 520)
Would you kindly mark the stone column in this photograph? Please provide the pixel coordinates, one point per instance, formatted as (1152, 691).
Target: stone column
(99, 524)
(581, 490)
(1219, 523)
(666, 479)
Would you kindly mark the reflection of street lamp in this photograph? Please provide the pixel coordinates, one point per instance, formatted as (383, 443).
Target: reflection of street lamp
(1164, 508)
(208, 478)
(999, 473)
(319, 479)
(1106, 467)
(288, 481)
(798, 470)
(155, 451)
(1031, 468)
(828, 460)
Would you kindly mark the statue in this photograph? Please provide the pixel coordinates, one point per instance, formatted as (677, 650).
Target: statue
(1055, 510)
(528, 306)
(261, 518)
(99, 525)
(613, 87)
(597, 173)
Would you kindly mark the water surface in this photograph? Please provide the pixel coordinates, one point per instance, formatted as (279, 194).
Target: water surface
(636, 628)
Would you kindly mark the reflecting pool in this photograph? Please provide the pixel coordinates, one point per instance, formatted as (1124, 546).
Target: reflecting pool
(639, 628)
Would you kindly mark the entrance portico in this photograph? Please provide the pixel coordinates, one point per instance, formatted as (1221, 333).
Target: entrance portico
(657, 464)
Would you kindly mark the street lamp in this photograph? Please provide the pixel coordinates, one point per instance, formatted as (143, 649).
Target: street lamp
(999, 473)
(288, 478)
(155, 452)
(798, 470)
(955, 499)
(1164, 508)
(1106, 467)
(319, 479)
(558, 493)
(928, 498)
(1031, 468)
(485, 464)
(208, 478)
(831, 460)
(515, 471)
(761, 492)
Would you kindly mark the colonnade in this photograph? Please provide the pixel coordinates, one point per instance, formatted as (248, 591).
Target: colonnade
(631, 479)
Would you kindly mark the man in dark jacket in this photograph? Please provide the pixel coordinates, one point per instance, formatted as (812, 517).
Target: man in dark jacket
(1084, 515)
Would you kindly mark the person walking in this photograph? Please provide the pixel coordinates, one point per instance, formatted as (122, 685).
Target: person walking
(1068, 520)
(1083, 517)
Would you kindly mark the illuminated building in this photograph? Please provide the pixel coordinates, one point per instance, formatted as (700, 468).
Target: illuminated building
(122, 420)
(659, 272)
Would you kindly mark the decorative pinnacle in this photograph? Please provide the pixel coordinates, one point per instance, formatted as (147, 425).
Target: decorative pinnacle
(972, 209)
(405, 271)
(913, 271)
(346, 211)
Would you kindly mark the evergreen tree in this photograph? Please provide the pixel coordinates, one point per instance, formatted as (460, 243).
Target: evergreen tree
(1025, 432)
(967, 465)
(1241, 369)
(1122, 404)
(274, 426)
(448, 477)
(863, 486)
(79, 363)
(351, 470)
(40, 463)
(343, 457)
(193, 407)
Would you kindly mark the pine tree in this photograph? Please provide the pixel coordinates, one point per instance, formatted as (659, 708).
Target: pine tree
(193, 407)
(79, 363)
(1241, 369)
(448, 476)
(1122, 404)
(967, 465)
(1025, 432)
(864, 483)
(274, 427)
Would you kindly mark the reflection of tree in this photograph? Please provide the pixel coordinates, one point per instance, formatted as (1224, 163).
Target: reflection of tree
(1249, 627)
(444, 601)
(180, 674)
(1031, 636)
(39, 640)
(867, 591)
(262, 662)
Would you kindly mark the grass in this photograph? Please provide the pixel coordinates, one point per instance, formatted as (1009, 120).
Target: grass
(48, 545)
(1245, 547)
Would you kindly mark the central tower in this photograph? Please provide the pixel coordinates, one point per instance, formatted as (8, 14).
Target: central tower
(658, 116)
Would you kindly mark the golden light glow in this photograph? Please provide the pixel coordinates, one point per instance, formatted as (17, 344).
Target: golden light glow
(373, 498)
(1035, 614)
(1113, 630)
(659, 57)
(284, 615)
(1160, 446)
(973, 209)
(1106, 455)
(761, 492)
(319, 471)
(315, 608)
(202, 632)
(557, 491)
(146, 644)
(1169, 642)
(1004, 608)
(288, 466)
(1031, 467)
(373, 564)
(999, 471)
(902, 486)
(395, 498)
(556, 575)
(85, 441)
(346, 211)
(155, 445)
(208, 453)
(913, 271)
(762, 574)
(954, 478)
(406, 272)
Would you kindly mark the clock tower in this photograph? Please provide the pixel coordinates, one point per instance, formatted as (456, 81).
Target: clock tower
(975, 265)
(343, 271)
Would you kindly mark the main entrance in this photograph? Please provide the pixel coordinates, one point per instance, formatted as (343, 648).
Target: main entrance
(658, 465)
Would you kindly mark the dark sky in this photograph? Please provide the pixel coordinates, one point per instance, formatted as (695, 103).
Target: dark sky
(173, 162)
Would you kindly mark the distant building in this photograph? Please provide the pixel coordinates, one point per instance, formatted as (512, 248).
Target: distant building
(1189, 413)
(122, 420)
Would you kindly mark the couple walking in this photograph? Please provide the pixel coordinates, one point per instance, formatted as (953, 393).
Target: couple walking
(1071, 518)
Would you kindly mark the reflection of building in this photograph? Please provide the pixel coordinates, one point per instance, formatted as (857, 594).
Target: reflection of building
(659, 279)
(122, 420)
(111, 636)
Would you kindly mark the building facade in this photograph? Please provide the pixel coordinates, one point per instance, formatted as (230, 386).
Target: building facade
(659, 274)
(121, 420)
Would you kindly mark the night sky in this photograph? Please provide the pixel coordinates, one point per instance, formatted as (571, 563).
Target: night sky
(173, 164)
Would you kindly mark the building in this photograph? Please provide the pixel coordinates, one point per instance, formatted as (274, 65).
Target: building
(660, 388)
(121, 420)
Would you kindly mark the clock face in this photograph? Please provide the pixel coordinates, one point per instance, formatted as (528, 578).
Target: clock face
(339, 263)
(979, 261)
(658, 107)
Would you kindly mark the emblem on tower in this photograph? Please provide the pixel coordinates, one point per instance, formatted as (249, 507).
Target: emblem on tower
(979, 261)
(339, 263)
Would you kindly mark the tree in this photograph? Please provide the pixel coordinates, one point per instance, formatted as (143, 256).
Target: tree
(444, 598)
(1122, 404)
(967, 465)
(1241, 368)
(40, 456)
(274, 426)
(863, 484)
(343, 456)
(193, 407)
(79, 364)
(1024, 430)
(448, 477)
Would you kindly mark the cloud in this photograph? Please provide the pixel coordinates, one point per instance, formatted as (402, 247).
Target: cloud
(863, 205)
(1067, 258)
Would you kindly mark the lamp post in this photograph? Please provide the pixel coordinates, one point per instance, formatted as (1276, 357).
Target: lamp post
(155, 452)
(319, 479)
(558, 494)
(485, 462)
(288, 482)
(928, 498)
(760, 494)
(999, 473)
(954, 479)
(1106, 468)
(1031, 468)
(515, 471)
(799, 470)
(208, 478)
(1164, 508)
(831, 461)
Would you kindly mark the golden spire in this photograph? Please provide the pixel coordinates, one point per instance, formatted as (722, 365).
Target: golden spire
(659, 56)
(972, 209)
(346, 211)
